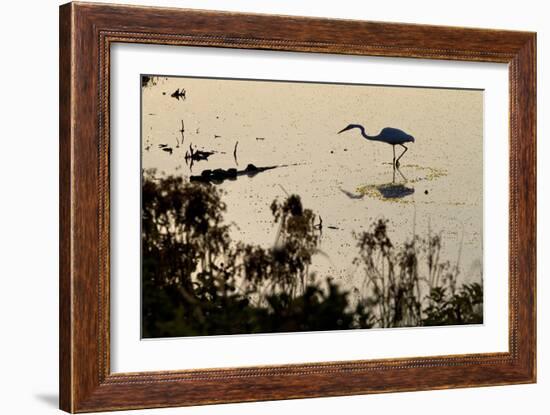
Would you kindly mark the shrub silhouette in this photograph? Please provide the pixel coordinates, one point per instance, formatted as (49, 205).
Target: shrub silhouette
(197, 281)
(397, 293)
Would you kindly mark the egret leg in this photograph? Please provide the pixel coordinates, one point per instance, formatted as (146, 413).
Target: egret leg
(398, 158)
(393, 146)
(401, 173)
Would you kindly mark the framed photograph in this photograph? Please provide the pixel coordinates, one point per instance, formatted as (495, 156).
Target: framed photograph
(259, 207)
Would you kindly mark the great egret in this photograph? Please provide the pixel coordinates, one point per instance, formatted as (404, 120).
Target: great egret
(388, 135)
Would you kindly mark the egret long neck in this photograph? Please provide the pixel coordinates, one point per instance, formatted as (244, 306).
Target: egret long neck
(365, 135)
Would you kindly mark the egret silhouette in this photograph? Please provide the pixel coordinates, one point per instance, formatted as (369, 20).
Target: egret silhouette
(388, 135)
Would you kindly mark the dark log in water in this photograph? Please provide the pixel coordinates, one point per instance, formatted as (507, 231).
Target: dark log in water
(219, 175)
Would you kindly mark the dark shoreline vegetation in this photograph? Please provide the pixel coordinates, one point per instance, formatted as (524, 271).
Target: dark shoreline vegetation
(197, 281)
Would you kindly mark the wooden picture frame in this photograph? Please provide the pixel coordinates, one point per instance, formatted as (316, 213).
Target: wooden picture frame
(86, 33)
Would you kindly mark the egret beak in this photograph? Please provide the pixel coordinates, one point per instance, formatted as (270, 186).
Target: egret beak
(349, 127)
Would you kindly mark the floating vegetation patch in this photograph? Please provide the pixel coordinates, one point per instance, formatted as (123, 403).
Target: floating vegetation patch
(431, 173)
(397, 192)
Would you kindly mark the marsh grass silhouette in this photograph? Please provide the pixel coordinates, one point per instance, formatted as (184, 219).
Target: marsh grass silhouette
(197, 281)
(396, 292)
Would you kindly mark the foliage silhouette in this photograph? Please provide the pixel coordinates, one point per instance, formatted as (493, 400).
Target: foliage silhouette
(399, 296)
(197, 281)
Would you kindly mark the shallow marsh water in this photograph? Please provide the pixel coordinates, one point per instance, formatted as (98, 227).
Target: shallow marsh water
(346, 180)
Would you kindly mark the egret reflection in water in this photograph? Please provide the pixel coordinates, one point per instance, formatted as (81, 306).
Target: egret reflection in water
(395, 190)
(387, 191)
